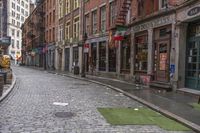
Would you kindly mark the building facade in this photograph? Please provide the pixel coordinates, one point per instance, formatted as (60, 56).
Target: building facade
(33, 38)
(68, 52)
(18, 11)
(188, 40)
(50, 32)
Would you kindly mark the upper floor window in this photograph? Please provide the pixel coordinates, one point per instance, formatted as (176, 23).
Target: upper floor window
(67, 31)
(76, 28)
(103, 18)
(87, 24)
(60, 8)
(94, 22)
(163, 3)
(67, 6)
(112, 12)
(76, 4)
(141, 10)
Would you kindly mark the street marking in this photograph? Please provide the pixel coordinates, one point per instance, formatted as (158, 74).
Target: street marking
(60, 104)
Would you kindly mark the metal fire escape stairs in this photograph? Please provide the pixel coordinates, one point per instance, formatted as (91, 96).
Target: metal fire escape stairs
(121, 16)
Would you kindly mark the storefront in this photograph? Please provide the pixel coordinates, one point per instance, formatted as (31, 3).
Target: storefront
(162, 42)
(189, 51)
(193, 56)
(152, 50)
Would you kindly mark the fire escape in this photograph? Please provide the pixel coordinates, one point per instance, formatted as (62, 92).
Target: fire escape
(121, 16)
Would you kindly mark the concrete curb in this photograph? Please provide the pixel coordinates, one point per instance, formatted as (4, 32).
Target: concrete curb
(9, 90)
(177, 118)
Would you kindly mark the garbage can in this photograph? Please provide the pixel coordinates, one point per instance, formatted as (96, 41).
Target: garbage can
(76, 70)
(1, 84)
(4, 76)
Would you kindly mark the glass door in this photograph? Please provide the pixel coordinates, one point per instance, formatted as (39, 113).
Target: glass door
(161, 58)
(193, 64)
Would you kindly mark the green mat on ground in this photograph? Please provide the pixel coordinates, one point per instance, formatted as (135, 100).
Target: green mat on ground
(195, 106)
(142, 116)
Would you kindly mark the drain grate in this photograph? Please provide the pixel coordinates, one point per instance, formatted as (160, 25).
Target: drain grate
(64, 114)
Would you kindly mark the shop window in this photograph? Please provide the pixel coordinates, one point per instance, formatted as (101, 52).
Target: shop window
(141, 53)
(75, 56)
(93, 55)
(112, 59)
(102, 56)
(125, 55)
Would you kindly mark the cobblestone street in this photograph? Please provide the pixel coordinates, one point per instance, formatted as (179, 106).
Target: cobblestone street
(30, 108)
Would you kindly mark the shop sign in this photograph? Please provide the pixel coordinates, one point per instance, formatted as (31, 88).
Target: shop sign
(194, 11)
(86, 48)
(153, 24)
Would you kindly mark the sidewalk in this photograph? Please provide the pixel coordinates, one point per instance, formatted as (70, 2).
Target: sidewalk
(171, 104)
(7, 88)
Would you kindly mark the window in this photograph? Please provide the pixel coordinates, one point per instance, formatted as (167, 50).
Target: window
(67, 31)
(102, 56)
(13, 43)
(13, 32)
(75, 56)
(18, 24)
(76, 4)
(60, 9)
(54, 16)
(18, 33)
(60, 37)
(103, 19)
(26, 6)
(112, 12)
(22, 18)
(26, 13)
(163, 3)
(13, 21)
(76, 28)
(67, 6)
(94, 22)
(17, 44)
(18, 8)
(13, 5)
(141, 53)
(87, 24)
(53, 34)
(22, 11)
(13, 13)
(22, 3)
(50, 19)
(141, 11)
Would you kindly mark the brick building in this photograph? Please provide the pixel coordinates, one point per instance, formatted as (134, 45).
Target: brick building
(50, 7)
(33, 37)
(68, 52)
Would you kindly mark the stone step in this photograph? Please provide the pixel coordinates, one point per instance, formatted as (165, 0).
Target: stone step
(160, 85)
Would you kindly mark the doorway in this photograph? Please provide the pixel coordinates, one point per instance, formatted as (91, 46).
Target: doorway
(161, 59)
(192, 79)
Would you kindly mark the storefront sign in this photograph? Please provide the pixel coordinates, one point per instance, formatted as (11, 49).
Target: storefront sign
(194, 11)
(153, 24)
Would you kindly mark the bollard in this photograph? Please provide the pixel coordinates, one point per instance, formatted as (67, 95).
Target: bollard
(1, 84)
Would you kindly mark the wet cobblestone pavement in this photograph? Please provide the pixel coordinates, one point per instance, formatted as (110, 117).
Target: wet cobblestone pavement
(30, 109)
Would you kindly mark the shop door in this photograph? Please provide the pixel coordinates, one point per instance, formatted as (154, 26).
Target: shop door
(162, 61)
(67, 59)
(193, 64)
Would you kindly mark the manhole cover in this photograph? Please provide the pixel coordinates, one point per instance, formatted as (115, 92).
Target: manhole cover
(64, 114)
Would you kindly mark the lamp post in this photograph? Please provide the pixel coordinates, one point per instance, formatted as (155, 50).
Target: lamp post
(84, 38)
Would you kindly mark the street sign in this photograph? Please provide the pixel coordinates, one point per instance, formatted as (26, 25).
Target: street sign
(5, 41)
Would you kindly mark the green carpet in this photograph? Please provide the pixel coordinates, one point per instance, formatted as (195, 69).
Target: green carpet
(195, 106)
(142, 116)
